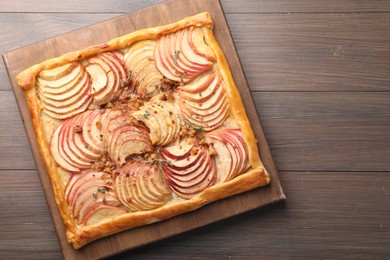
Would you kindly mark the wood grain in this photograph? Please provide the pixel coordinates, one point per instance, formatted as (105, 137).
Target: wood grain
(329, 214)
(230, 6)
(280, 52)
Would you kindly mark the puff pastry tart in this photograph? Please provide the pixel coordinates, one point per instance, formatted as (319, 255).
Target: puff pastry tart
(140, 129)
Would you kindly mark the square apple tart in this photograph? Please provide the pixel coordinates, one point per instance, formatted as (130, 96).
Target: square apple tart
(140, 129)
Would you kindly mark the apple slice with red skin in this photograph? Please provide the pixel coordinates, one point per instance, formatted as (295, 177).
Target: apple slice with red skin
(76, 140)
(144, 115)
(195, 179)
(208, 106)
(64, 149)
(199, 85)
(79, 89)
(137, 186)
(77, 181)
(238, 136)
(178, 152)
(197, 42)
(70, 151)
(188, 193)
(98, 77)
(54, 74)
(162, 64)
(190, 54)
(92, 133)
(184, 177)
(105, 94)
(129, 134)
(131, 146)
(87, 193)
(181, 63)
(57, 154)
(227, 141)
(224, 160)
(188, 168)
(99, 207)
(120, 72)
(56, 89)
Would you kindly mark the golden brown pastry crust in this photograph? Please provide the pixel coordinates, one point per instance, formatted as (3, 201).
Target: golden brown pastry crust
(80, 235)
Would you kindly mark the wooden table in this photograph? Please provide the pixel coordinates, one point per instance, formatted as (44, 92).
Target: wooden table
(320, 76)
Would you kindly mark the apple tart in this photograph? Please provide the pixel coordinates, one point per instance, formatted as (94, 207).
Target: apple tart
(140, 129)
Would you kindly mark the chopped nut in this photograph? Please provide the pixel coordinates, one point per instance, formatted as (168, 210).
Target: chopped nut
(78, 128)
(212, 151)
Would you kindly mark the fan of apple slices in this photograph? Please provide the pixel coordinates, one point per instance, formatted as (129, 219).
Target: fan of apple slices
(126, 156)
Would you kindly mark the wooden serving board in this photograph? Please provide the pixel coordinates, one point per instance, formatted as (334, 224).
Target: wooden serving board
(160, 14)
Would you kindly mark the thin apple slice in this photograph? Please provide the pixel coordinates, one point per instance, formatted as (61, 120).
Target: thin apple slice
(189, 52)
(161, 62)
(137, 186)
(131, 146)
(74, 109)
(76, 138)
(229, 141)
(144, 115)
(178, 152)
(120, 73)
(182, 61)
(56, 73)
(197, 42)
(55, 144)
(223, 159)
(108, 91)
(139, 62)
(98, 78)
(179, 60)
(92, 133)
(62, 85)
(200, 85)
(104, 210)
(69, 98)
(88, 193)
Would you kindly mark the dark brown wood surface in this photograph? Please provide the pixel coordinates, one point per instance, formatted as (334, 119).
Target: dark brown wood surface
(320, 76)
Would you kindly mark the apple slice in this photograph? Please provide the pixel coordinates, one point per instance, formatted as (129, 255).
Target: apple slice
(231, 149)
(69, 97)
(183, 62)
(56, 73)
(197, 42)
(188, 168)
(204, 102)
(162, 118)
(145, 77)
(114, 71)
(89, 197)
(181, 57)
(98, 77)
(57, 155)
(92, 132)
(63, 84)
(142, 186)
